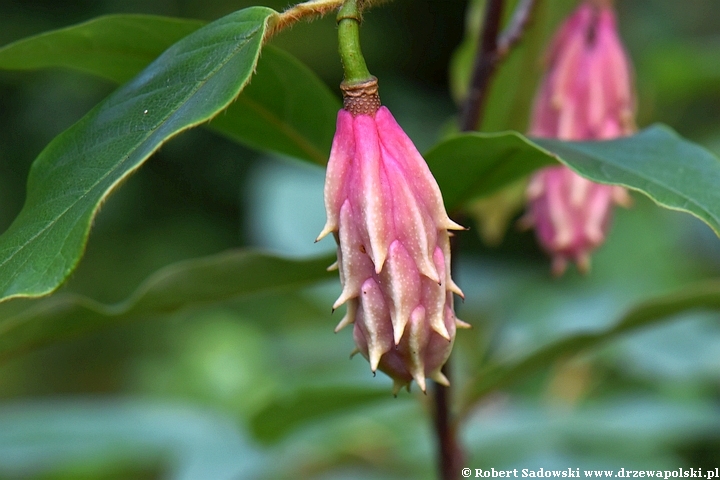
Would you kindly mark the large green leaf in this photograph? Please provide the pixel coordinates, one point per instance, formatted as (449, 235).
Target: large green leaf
(286, 109)
(25, 324)
(675, 173)
(187, 85)
(652, 312)
(473, 165)
(115, 47)
(672, 171)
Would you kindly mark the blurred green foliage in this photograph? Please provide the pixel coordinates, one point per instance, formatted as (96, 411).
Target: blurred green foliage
(234, 389)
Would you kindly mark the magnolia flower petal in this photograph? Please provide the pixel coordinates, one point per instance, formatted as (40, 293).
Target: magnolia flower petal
(387, 215)
(338, 168)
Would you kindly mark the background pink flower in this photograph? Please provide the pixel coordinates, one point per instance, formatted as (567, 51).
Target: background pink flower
(586, 94)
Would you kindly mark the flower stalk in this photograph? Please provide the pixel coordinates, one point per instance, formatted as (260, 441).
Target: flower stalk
(349, 18)
(419, 327)
(386, 213)
(493, 47)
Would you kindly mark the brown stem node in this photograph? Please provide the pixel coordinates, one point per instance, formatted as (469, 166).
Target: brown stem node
(361, 98)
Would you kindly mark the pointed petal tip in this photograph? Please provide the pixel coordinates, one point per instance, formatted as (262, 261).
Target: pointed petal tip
(398, 333)
(327, 229)
(428, 269)
(347, 320)
(354, 352)
(397, 386)
(379, 244)
(438, 377)
(453, 287)
(440, 328)
(583, 263)
(344, 297)
(420, 380)
(375, 353)
(621, 197)
(449, 224)
(379, 258)
(535, 188)
(460, 324)
(332, 267)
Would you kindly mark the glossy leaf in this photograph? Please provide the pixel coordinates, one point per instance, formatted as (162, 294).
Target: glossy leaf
(674, 172)
(286, 109)
(472, 165)
(651, 312)
(115, 47)
(187, 85)
(25, 324)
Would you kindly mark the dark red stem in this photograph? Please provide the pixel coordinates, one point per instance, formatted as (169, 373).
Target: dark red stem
(449, 451)
(492, 48)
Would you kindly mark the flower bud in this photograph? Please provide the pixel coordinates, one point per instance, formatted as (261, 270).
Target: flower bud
(571, 214)
(387, 215)
(586, 94)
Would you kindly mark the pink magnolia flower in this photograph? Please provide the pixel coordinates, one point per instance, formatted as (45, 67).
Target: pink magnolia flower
(586, 94)
(386, 212)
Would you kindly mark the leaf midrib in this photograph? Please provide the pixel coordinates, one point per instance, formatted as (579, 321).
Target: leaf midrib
(291, 133)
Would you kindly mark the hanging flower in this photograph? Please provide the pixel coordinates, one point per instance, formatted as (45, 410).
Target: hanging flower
(586, 94)
(387, 215)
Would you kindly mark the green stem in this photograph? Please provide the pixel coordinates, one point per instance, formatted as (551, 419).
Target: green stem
(354, 66)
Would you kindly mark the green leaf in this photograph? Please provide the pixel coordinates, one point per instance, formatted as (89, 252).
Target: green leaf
(652, 312)
(472, 165)
(674, 172)
(115, 47)
(187, 85)
(25, 324)
(307, 403)
(286, 109)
